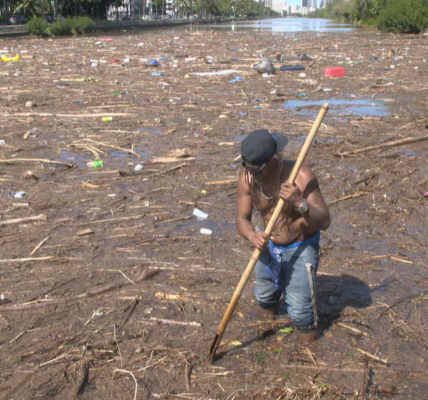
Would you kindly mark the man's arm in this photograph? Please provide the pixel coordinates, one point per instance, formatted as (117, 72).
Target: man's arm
(307, 187)
(244, 206)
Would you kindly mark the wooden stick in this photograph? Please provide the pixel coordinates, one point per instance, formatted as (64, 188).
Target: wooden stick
(372, 356)
(171, 322)
(40, 217)
(248, 270)
(42, 160)
(401, 260)
(54, 359)
(40, 245)
(167, 170)
(312, 357)
(351, 196)
(113, 219)
(70, 115)
(11, 260)
(383, 146)
(187, 373)
(352, 329)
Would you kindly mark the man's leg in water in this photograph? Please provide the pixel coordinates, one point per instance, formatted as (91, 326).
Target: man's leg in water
(266, 293)
(297, 292)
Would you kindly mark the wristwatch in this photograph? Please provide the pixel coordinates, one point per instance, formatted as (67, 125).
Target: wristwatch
(303, 208)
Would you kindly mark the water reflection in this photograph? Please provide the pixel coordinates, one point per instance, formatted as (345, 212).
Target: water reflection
(281, 25)
(277, 25)
(360, 107)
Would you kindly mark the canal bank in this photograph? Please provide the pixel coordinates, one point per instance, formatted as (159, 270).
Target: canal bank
(111, 26)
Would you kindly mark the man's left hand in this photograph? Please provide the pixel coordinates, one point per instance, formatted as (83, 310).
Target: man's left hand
(291, 194)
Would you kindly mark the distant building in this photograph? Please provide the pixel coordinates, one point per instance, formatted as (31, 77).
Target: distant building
(293, 9)
(279, 6)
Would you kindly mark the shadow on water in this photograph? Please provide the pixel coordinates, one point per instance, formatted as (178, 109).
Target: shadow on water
(335, 293)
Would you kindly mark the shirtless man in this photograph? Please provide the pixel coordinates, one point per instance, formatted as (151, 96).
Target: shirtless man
(281, 269)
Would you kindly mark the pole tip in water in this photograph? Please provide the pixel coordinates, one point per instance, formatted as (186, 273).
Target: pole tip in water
(325, 105)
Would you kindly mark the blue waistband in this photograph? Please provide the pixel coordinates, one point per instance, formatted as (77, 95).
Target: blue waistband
(313, 239)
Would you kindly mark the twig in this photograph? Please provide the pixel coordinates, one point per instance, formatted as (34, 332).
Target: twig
(114, 219)
(40, 245)
(352, 329)
(351, 196)
(401, 260)
(168, 321)
(312, 357)
(17, 337)
(166, 171)
(117, 344)
(383, 146)
(40, 217)
(42, 160)
(399, 302)
(187, 373)
(131, 307)
(27, 259)
(372, 356)
(70, 115)
(130, 373)
(151, 365)
(31, 306)
(114, 147)
(118, 270)
(53, 360)
(365, 381)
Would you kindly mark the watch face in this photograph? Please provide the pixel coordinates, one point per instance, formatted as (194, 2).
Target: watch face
(304, 207)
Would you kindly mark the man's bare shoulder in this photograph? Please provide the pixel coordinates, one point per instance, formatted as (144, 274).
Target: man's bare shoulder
(305, 174)
(243, 184)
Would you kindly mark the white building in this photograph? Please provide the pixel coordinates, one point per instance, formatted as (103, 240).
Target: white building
(279, 6)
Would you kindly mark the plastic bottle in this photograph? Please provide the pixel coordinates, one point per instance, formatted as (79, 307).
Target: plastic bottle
(199, 214)
(107, 119)
(334, 71)
(157, 73)
(95, 164)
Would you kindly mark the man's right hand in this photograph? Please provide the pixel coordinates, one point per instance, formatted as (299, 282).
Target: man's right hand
(260, 240)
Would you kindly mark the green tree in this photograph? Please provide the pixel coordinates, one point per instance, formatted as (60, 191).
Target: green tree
(404, 16)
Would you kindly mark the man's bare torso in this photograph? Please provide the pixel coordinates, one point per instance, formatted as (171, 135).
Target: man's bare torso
(287, 229)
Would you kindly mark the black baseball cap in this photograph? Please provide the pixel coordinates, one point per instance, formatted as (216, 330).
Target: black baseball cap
(261, 145)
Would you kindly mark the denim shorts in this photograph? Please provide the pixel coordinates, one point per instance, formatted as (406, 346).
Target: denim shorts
(281, 270)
